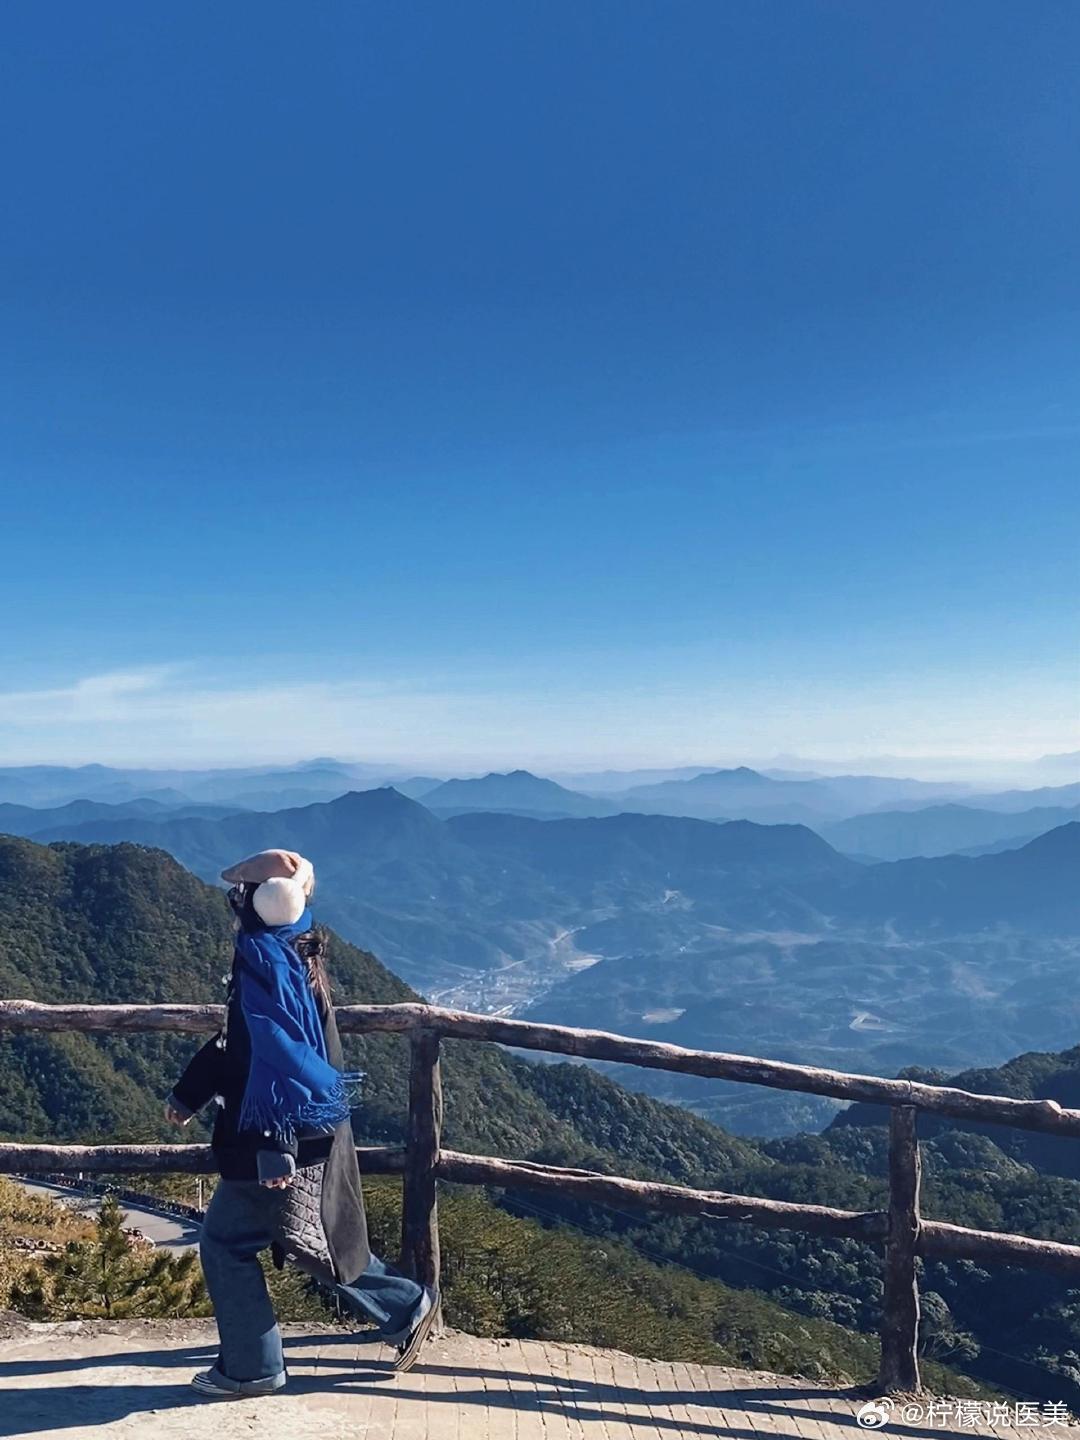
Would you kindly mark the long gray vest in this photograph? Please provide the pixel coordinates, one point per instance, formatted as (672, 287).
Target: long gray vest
(322, 1227)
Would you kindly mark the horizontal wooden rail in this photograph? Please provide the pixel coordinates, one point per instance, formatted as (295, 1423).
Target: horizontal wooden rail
(1044, 1115)
(17, 1158)
(127, 1019)
(650, 1195)
(941, 1241)
(936, 1239)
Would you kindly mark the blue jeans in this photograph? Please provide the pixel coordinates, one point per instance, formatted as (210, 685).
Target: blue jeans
(239, 1223)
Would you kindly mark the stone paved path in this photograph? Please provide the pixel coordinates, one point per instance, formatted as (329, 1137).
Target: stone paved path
(94, 1379)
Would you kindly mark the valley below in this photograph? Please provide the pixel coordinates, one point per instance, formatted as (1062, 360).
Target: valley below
(864, 1003)
(859, 1004)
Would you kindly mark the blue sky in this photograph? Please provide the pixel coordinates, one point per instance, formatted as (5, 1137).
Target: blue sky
(556, 382)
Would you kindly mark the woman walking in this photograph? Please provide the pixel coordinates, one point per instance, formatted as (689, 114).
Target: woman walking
(283, 1142)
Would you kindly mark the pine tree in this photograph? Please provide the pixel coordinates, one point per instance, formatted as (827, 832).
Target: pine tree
(29, 1294)
(109, 1277)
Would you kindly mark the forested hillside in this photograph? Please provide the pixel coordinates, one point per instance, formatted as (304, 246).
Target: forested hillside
(1036, 1076)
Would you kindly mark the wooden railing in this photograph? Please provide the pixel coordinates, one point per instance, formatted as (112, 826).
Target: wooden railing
(902, 1231)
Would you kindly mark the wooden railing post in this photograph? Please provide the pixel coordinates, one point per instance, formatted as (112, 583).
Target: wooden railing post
(419, 1213)
(900, 1308)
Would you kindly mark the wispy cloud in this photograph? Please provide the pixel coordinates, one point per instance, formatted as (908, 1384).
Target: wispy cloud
(169, 712)
(176, 714)
(90, 700)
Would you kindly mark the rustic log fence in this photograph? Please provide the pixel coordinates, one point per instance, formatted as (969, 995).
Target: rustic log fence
(900, 1228)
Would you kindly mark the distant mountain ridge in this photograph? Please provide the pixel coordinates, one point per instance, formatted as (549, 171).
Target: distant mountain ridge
(747, 794)
(740, 792)
(1018, 800)
(519, 792)
(1032, 888)
(267, 787)
(28, 821)
(941, 830)
(657, 849)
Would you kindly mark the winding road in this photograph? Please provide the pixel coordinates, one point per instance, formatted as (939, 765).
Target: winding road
(167, 1232)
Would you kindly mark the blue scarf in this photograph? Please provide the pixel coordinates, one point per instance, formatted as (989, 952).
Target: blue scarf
(291, 1085)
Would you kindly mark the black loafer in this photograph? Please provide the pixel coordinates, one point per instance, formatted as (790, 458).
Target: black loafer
(410, 1348)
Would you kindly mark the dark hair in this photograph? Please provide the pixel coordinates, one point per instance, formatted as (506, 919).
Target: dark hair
(311, 946)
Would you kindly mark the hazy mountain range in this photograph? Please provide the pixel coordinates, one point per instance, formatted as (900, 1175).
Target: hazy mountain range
(943, 830)
(743, 793)
(866, 816)
(716, 793)
(518, 793)
(762, 938)
(258, 788)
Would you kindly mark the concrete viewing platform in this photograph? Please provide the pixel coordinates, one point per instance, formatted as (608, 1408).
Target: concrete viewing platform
(106, 1379)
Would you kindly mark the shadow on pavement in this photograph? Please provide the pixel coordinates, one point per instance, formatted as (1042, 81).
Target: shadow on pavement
(782, 1409)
